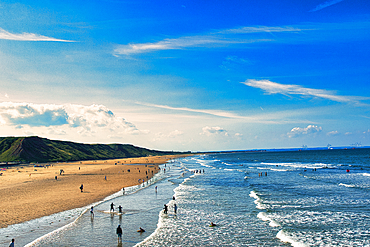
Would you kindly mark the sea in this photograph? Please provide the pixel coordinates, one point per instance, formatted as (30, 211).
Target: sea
(265, 198)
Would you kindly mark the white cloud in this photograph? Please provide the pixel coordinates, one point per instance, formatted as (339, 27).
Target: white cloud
(325, 4)
(297, 131)
(208, 131)
(287, 89)
(60, 119)
(223, 38)
(27, 37)
(333, 133)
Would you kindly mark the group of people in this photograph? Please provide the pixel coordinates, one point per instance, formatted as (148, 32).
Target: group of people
(165, 208)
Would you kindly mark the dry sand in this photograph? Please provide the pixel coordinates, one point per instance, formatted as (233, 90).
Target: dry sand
(28, 192)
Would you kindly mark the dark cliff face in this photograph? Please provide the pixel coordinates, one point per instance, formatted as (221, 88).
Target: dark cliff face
(37, 149)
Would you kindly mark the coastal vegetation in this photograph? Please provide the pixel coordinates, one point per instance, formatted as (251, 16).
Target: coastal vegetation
(37, 149)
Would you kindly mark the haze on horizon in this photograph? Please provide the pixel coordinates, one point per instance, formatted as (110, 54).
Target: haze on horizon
(187, 75)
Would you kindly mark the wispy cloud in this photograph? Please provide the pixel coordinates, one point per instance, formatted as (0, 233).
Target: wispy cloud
(266, 118)
(286, 89)
(217, 113)
(219, 38)
(27, 37)
(325, 4)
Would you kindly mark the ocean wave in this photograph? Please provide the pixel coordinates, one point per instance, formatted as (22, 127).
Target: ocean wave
(263, 216)
(284, 237)
(347, 185)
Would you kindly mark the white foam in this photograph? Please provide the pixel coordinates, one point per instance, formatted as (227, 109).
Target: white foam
(366, 174)
(258, 200)
(253, 195)
(347, 185)
(284, 237)
(263, 216)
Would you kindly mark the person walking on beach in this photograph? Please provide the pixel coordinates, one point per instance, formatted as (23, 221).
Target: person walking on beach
(119, 233)
(111, 207)
(82, 188)
(12, 243)
(123, 190)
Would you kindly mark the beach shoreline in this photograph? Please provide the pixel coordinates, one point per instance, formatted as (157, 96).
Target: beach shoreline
(29, 192)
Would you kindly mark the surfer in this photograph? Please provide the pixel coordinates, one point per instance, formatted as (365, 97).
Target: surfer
(111, 207)
(212, 224)
(141, 230)
(119, 209)
(119, 233)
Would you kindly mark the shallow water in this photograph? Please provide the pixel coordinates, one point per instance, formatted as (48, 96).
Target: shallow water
(307, 199)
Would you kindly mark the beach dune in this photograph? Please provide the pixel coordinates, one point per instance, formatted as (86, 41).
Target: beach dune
(29, 192)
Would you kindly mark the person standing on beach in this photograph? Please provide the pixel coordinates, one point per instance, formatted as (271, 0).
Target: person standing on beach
(119, 233)
(12, 243)
(82, 187)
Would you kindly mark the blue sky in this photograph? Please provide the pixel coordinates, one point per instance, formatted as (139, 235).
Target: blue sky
(187, 75)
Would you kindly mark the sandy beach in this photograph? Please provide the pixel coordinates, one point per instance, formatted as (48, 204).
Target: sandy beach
(29, 192)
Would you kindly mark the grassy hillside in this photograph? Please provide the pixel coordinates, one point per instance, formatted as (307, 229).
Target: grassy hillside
(36, 149)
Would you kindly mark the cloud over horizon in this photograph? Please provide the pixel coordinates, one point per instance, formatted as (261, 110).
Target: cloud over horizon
(309, 130)
(209, 131)
(84, 120)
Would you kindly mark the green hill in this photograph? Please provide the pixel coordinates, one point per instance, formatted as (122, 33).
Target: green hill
(37, 149)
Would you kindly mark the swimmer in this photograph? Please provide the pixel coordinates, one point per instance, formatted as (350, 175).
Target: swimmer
(141, 230)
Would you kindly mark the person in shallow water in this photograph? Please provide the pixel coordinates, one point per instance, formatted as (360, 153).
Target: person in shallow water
(175, 208)
(111, 207)
(165, 209)
(12, 243)
(92, 211)
(119, 233)
(119, 209)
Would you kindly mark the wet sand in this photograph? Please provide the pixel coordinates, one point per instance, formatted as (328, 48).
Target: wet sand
(29, 192)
